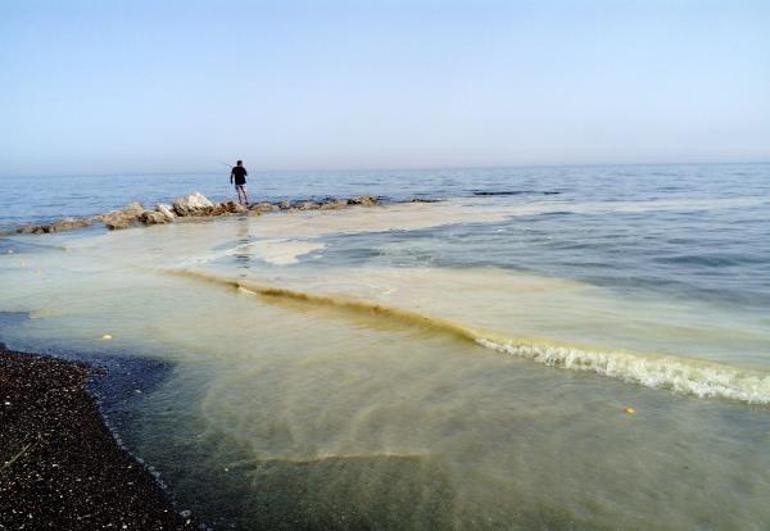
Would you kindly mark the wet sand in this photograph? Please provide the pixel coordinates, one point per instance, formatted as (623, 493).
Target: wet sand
(60, 468)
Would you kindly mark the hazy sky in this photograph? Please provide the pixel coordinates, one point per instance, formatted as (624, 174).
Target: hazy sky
(146, 86)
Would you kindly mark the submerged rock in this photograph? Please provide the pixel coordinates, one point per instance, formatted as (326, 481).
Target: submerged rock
(264, 206)
(118, 223)
(58, 226)
(308, 205)
(70, 224)
(421, 200)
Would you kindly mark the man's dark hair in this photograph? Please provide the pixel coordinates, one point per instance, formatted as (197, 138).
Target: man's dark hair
(238, 163)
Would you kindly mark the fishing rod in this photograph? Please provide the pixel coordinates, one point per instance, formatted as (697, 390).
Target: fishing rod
(229, 167)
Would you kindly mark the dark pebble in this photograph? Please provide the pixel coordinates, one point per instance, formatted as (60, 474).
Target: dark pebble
(60, 467)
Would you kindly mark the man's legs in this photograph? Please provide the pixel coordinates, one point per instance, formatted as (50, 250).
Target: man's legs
(241, 193)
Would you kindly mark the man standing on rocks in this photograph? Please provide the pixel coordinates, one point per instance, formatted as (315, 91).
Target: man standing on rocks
(238, 175)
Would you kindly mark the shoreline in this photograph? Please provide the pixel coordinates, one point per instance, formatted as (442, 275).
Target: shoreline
(60, 465)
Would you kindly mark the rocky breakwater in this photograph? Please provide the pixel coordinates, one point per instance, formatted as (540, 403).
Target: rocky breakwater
(191, 206)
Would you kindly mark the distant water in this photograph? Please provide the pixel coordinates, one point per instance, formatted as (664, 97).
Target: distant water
(464, 363)
(707, 239)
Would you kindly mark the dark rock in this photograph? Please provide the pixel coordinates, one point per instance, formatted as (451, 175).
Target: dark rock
(364, 200)
(264, 206)
(334, 204)
(236, 208)
(420, 200)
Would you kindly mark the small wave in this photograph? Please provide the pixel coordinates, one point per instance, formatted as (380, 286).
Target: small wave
(707, 260)
(678, 374)
(682, 375)
(513, 192)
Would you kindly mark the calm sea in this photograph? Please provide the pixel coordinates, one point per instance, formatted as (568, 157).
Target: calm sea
(467, 363)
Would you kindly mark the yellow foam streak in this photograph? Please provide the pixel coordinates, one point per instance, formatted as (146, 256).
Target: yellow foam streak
(680, 374)
(342, 303)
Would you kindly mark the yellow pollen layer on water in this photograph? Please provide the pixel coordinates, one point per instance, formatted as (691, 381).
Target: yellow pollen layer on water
(685, 375)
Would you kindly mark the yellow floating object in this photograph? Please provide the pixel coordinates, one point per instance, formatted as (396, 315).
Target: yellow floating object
(106, 337)
(629, 410)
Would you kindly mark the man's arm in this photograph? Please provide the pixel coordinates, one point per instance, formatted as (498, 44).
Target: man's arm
(232, 172)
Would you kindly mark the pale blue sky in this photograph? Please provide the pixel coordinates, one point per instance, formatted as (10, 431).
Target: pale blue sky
(145, 86)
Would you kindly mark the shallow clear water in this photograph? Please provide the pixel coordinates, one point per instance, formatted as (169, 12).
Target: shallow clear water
(458, 364)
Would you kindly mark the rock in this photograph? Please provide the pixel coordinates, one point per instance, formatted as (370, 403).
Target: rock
(229, 207)
(195, 204)
(219, 209)
(33, 229)
(118, 220)
(58, 226)
(123, 218)
(166, 211)
(152, 217)
(117, 223)
(263, 207)
(363, 200)
(334, 204)
(134, 208)
(236, 208)
(420, 200)
(69, 224)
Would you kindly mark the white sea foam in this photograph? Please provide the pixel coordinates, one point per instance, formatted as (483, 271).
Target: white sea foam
(681, 375)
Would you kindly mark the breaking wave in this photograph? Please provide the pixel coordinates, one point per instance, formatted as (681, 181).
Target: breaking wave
(678, 374)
